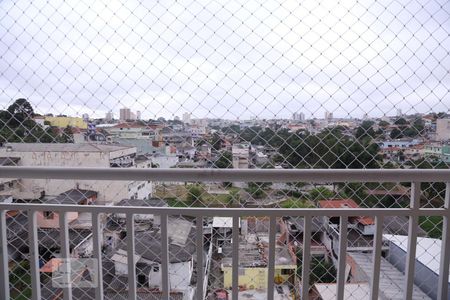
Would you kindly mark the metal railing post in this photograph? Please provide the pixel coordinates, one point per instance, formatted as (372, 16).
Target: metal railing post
(130, 257)
(97, 236)
(271, 262)
(4, 259)
(412, 241)
(306, 259)
(235, 262)
(34, 255)
(165, 258)
(200, 273)
(342, 258)
(375, 280)
(65, 254)
(445, 249)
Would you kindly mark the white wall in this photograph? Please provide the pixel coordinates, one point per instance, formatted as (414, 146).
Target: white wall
(179, 276)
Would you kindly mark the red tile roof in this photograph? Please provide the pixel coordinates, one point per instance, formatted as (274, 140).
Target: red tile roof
(346, 203)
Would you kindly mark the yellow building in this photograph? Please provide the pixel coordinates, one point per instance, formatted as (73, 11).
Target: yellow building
(256, 278)
(63, 122)
(253, 270)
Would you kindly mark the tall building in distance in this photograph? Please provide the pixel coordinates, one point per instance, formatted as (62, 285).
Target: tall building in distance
(85, 117)
(109, 116)
(328, 115)
(298, 116)
(187, 118)
(125, 114)
(138, 115)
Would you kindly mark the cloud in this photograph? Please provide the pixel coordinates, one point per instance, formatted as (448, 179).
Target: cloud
(228, 59)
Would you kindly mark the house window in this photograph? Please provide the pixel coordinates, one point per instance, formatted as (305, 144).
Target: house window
(142, 279)
(286, 271)
(156, 269)
(48, 215)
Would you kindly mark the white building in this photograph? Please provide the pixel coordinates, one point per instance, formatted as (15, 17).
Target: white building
(125, 114)
(442, 129)
(241, 155)
(109, 116)
(298, 116)
(77, 155)
(187, 118)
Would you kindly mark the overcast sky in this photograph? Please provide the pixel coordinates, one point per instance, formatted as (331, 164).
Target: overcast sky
(226, 59)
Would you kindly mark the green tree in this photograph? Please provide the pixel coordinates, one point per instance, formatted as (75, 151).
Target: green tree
(321, 193)
(67, 135)
(365, 130)
(383, 124)
(258, 189)
(19, 112)
(396, 133)
(401, 122)
(194, 195)
(225, 160)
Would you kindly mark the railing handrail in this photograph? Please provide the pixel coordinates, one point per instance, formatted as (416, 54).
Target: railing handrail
(226, 212)
(232, 175)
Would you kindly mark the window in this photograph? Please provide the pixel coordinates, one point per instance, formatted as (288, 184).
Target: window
(286, 271)
(156, 269)
(142, 279)
(48, 215)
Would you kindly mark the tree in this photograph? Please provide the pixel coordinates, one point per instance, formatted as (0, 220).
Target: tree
(67, 135)
(258, 189)
(321, 193)
(19, 112)
(225, 160)
(396, 134)
(383, 124)
(365, 130)
(401, 122)
(216, 142)
(195, 193)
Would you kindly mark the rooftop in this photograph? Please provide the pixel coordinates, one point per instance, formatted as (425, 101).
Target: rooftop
(54, 147)
(391, 279)
(152, 202)
(181, 241)
(428, 251)
(346, 203)
(73, 196)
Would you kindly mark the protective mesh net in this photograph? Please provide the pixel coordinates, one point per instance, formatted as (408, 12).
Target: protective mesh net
(226, 85)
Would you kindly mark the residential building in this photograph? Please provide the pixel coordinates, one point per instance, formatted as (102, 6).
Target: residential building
(187, 118)
(443, 129)
(399, 143)
(50, 219)
(77, 155)
(360, 229)
(63, 122)
(109, 116)
(148, 257)
(253, 270)
(427, 264)
(391, 279)
(241, 156)
(125, 114)
(437, 151)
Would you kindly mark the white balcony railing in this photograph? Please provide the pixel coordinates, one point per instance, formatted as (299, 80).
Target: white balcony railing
(413, 213)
